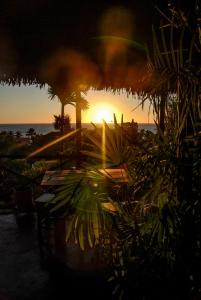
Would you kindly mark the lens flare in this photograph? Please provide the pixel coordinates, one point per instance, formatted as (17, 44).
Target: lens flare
(103, 146)
(53, 143)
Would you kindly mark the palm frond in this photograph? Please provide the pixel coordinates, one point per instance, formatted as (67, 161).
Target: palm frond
(83, 195)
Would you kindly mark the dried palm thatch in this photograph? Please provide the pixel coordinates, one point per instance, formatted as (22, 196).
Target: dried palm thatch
(73, 45)
(69, 44)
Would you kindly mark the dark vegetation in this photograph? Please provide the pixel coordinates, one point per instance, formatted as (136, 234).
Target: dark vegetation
(154, 249)
(157, 224)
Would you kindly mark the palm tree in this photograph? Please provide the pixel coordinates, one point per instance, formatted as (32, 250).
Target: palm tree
(64, 123)
(10, 133)
(18, 134)
(31, 133)
(79, 102)
(65, 99)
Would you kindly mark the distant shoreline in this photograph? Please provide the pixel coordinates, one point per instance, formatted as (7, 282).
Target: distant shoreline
(45, 128)
(71, 123)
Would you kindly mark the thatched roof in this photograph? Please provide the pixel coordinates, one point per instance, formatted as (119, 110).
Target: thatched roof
(72, 43)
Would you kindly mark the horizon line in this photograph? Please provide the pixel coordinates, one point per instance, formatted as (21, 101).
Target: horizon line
(71, 123)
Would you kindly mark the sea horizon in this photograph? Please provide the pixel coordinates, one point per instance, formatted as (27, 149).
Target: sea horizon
(44, 128)
(22, 123)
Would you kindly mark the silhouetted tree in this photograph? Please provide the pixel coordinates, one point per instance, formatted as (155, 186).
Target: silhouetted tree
(62, 122)
(18, 134)
(79, 102)
(31, 133)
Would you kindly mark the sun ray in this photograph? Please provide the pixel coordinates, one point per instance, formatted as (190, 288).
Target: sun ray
(102, 112)
(53, 143)
(103, 146)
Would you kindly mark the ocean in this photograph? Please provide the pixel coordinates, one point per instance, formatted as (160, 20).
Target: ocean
(48, 127)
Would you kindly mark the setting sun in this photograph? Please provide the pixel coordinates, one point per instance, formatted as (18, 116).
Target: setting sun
(102, 112)
(104, 104)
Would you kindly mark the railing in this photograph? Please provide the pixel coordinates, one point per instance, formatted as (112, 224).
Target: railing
(12, 180)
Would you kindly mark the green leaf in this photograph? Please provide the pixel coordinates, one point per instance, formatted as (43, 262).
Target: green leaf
(81, 236)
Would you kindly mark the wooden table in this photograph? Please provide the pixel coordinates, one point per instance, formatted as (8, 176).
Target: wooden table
(55, 178)
(118, 175)
(47, 227)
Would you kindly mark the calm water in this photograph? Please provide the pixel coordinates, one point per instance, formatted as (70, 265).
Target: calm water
(45, 128)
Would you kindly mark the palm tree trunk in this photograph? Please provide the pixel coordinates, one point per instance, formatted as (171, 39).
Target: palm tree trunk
(62, 118)
(62, 131)
(78, 126)
(162, 112)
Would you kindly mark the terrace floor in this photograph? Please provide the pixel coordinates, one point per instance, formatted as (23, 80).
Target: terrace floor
(21, 274)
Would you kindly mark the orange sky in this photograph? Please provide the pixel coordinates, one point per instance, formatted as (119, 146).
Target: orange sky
(31, 105)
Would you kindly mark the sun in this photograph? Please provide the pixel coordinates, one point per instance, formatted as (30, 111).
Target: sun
(100, 113)
(103, 114)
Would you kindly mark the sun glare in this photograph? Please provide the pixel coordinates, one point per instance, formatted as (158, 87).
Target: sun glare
(100, 113)
(104, 114)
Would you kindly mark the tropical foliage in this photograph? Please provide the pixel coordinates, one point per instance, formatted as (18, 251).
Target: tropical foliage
(62, 123)
(114, 141)
(7, 143)
(31, 133)
(83, 195)
(157, 215)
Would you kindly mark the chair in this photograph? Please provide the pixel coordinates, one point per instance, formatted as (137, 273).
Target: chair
(45, 226)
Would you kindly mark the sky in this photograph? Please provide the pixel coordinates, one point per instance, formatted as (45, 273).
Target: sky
(30, 104)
